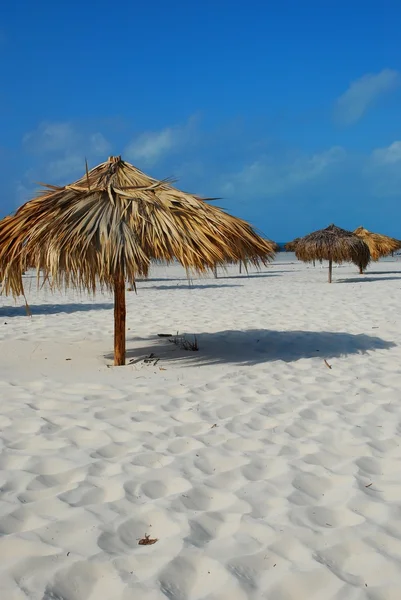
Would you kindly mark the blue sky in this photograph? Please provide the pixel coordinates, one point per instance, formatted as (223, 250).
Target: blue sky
(287, 110)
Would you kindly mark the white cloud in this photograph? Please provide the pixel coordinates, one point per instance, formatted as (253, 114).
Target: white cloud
(388, 156)
(151, 146)
(383, 170)
(268, 177)
(50, 137)
(60, 149)
(64, 137)
(70, 165)
(99, 145)
(60, 171)
(363, 93)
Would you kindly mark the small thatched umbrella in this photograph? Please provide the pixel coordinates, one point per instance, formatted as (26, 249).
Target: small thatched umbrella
(333, 244)
(109, 225)
(379, 245)
(290, 246)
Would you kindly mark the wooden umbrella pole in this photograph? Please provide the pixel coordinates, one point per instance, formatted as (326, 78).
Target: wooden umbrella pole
(330, 270)
(119, 319)
(360, 269)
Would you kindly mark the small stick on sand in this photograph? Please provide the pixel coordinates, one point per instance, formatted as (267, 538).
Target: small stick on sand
(327, 364)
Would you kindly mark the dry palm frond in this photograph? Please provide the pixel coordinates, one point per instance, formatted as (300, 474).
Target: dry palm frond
(379, 245)
(290, 246)
(117, 219)
(335, 245)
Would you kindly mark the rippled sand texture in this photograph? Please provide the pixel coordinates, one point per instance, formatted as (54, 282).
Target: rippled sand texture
(262, 472)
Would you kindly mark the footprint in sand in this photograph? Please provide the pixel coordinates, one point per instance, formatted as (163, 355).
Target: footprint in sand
(169, 487)
(195, 576)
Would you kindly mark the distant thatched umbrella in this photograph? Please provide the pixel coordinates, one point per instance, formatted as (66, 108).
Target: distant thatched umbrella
(109, 225)
(333, 244)
(379, 245)
(290, 246)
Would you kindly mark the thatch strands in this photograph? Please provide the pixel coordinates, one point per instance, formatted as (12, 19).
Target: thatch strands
(109, 225)
(379, 245)
(290, 246)
(335, 245)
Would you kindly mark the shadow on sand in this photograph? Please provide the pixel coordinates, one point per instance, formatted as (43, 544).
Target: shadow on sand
(159, 279)
(363, 279)
(188, 286)
(51, 309)
(255, 346)
(384, 273)
(252, 275)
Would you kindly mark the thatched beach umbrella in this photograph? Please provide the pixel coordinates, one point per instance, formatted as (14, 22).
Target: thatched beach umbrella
(290, 246)
(109, 225)
(379, 245)
(333, 244)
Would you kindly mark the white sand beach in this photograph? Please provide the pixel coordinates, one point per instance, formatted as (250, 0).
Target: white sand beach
(266, 464)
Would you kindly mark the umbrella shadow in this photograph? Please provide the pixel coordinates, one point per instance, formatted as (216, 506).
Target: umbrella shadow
(51, 309)
(384, 273)
(251, 275)
(362, 279)
(189, 286)
(158, 279)
(255, 346)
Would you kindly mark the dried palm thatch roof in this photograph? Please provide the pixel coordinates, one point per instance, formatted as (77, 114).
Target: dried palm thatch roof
(116, 216)
(290, 246)
(109, 225)
(335, 245)
(379, 245)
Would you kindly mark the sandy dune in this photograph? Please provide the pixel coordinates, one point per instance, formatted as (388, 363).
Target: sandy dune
(262, 472)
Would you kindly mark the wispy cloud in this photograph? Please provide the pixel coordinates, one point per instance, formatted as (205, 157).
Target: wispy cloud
(383, 170)
(56, 152)
(99, 145)
(363, 93)
(389, 155)
(151, 146)
(50, 137)
(268, 176)
(54, 137)
(70, 165)
(60, 149)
